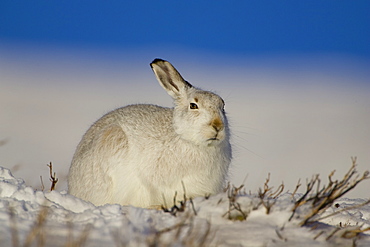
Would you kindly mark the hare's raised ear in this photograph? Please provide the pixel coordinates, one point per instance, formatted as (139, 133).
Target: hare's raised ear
(169, 78)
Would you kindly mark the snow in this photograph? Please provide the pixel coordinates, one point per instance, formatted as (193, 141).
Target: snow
(38, 218)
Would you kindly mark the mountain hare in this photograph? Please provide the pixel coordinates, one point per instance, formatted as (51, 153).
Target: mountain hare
(142, 155)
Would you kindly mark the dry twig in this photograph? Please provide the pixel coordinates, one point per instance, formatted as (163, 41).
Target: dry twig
(53, 178)
(42, 184)
(324, 196)
(296, 188)
(344, 209)
(267, 194)
(234, 206)
(37, 231)
(81, 239)
(13, 226)
(175, 209)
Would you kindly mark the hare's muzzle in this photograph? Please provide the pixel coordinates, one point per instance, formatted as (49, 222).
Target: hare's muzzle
(217, 124)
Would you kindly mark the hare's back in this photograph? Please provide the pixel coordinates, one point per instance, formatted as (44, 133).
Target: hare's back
(134, 122)
(144, 118)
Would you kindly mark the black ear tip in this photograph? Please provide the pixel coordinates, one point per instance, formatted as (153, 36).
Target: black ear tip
(157, 60)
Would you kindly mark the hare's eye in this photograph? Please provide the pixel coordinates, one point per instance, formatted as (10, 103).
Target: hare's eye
(193, 106)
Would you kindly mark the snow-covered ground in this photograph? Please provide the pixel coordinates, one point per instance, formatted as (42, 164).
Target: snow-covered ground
(37, 218)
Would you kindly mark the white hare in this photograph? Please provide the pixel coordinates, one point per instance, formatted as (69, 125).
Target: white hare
(142, 155)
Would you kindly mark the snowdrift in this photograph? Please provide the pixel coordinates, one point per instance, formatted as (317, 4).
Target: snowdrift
(232, 218)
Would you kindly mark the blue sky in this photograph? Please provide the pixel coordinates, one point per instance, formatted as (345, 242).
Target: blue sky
(229, 27)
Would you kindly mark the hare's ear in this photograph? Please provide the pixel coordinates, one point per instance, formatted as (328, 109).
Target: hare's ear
(169, 78)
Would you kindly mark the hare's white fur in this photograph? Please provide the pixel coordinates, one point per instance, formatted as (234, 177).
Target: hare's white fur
(142, 155)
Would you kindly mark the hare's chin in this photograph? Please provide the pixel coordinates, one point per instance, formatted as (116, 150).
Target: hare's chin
(213, 141)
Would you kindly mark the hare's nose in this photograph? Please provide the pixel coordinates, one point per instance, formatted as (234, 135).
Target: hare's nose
(217, 124)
